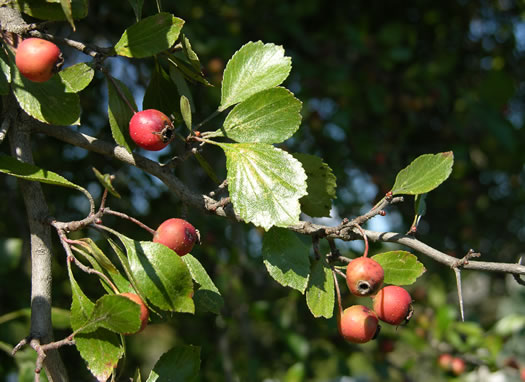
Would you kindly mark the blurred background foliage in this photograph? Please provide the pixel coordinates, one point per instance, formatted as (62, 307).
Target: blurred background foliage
(380, 84)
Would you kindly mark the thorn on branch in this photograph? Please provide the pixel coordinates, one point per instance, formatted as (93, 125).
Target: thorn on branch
(461, 262)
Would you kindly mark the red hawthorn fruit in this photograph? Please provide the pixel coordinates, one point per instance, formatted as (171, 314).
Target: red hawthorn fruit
(151, 129)
(358, 324)
(445, 361)
(144, 312)
(393, 305)
(522, 373)
(457, 366)
(37, 59)
(364, 276)
(176, 234)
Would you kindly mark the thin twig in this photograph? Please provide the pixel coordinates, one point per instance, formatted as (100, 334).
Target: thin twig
(457, 272)
(338, 293)
(109, 211)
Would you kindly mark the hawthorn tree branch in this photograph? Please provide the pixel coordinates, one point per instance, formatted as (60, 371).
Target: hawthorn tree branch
(41, 331)
(346, 231)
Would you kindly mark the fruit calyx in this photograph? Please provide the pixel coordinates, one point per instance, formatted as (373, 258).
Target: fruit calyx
(364, 276)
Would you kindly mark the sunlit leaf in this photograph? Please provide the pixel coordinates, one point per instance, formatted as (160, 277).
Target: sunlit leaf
(265, 184)
(120, 112)
(253, 68)
(401, 267)
(150, 36)
(207, 297)
(424, 174)
(77, 77)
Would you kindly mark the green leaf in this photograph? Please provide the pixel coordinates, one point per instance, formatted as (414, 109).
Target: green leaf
(120, 113)
(321, 186)
(101, 350)
(270, 116)
(180, 364)
(81, 306)
(190, 54)
(424, 174)
(12, 166)
(286, 258)
(401, 267)
(115, 313)
(5, 73)
(320, 296)
(105, 180)
(137, 7)
(77, 77)
(253, 68)
(49, 102)
(150, 36)
(185, 109)
(207, 297)
(420, 209)
(160, 93)
(265, 184)
(160, 274)
(52, 9)
(182, 86)
(68, 12)
(187, 69)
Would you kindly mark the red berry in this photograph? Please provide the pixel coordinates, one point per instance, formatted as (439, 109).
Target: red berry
(358, 324)
(37, 59)
(393, 305)
(364, 276)
(151, 129)
(522, 373)
(458, 366)
(144, 313)
(445, 361)
(176, 234)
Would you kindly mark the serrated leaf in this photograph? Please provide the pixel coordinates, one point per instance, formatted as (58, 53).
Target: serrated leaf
(48, 102)
(77, 77)
(207, 297)
(12, 166)
(424, 174)
(160, 274)
(253, 68)
(120, 113)
(401, 267)
(68, 12)
(101, 350)
(179, 364)
(270, 116)
(320, 296)
(265, 184)
(286, 258)
(105, 180)
(321, 186)
(52, 10)
(150, 36)
(185, 109)
(115, 313)
(160, 93)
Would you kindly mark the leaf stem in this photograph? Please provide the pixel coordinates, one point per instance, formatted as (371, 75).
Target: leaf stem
(107, 210)
(207, 119)
(365, 252)
(119, 90)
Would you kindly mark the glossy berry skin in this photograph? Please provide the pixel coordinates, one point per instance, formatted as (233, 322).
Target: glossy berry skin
(36, 59)
(393, 305)
(144, 312)
(364, 276)
(151, 129)
(358, 324)
(176, 234)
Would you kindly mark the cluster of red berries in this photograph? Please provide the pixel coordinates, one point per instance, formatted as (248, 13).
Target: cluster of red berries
(391, 304)
(38, 59)
(452, 364)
